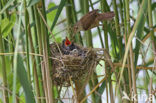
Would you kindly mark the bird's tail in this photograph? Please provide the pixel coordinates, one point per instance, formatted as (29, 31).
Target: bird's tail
(106, 16)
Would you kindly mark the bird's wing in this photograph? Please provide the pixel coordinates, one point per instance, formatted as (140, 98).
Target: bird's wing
(88, 19)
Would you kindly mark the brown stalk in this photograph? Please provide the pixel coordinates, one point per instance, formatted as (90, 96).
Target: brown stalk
(48, 84)
(133, 73)
(44, 81)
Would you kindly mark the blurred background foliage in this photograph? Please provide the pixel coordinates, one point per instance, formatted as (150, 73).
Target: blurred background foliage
(27, 27)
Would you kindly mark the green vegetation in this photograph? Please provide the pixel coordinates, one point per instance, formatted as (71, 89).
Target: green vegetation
(28, 27)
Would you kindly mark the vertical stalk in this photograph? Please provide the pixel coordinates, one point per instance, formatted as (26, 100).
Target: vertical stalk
(125, 20)
(99, 32)
(2, 49)
(91, 86)
(90, 44)
(151, 89)
(88, 33)
(82, 6)
(105, 25)
(125, 30)
(133, 73)
(38, 44)
(27, 43)
(34, 37)
(15, 54)
(38, 27)
(70, 19)
(152, 38)
(4, 73)
(151, 25)
(78, 36)
(45, 41)
(131, 50)
(47, 68)
(111, 91)
(126, 12)
(29, 36)
(34, 67)
(117, 27)
(121, 14)
(104, 9)
(127, 17)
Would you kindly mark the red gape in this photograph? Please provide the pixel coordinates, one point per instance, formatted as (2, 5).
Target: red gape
(67, 42)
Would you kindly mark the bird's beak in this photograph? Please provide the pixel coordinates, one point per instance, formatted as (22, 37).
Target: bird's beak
(67, 42)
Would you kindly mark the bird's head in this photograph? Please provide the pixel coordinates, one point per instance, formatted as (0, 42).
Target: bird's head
(67, 42)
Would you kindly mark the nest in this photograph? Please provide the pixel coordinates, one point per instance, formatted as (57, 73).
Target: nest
(72, 66)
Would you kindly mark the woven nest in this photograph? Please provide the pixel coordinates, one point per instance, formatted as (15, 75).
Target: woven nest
(72, 66)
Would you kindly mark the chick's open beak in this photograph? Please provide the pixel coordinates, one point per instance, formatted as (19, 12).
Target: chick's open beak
(67, 42)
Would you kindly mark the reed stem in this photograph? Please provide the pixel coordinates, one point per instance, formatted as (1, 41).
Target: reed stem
(4, 73)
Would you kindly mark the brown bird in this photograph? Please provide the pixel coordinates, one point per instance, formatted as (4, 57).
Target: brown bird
(91, 20)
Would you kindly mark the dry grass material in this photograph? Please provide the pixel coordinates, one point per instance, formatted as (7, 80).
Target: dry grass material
(73, 66)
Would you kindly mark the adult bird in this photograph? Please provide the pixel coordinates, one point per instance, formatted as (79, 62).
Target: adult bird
(91, 20)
